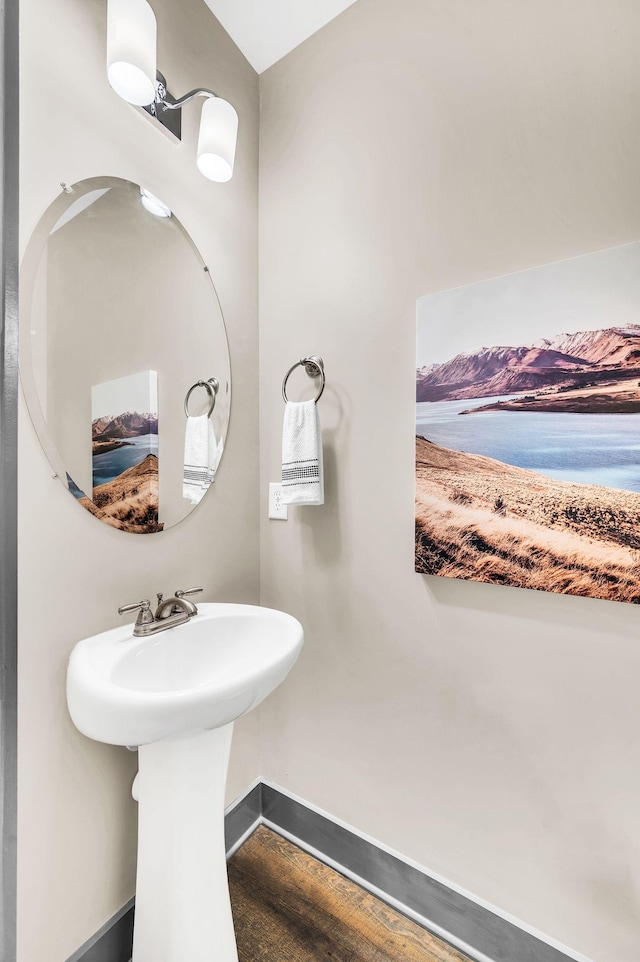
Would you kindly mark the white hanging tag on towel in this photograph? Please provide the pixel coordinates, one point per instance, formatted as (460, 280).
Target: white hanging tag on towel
(302, 474)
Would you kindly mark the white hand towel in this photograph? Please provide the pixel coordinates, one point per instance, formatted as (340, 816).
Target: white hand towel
(201, 456)
(302, 475)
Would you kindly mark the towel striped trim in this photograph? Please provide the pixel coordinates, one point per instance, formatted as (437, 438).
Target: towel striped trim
(196, 475)
(307, 472)
(301, 472)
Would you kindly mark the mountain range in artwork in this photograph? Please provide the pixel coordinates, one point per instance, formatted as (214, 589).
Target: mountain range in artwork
(586, 370)
(128, 425)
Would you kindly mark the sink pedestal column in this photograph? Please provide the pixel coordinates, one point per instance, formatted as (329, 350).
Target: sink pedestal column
(183, 912)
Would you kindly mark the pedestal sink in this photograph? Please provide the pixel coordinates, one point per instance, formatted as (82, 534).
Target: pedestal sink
(175, 695)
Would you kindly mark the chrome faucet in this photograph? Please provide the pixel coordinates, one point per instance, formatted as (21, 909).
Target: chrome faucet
(170, 613)
(173, 606)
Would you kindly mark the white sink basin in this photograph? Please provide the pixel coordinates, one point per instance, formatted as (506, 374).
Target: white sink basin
(194, 677)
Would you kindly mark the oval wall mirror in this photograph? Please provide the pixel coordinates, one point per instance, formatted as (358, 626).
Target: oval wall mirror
(123, 355)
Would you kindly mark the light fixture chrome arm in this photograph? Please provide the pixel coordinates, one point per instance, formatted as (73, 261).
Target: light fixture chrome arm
(188, 97)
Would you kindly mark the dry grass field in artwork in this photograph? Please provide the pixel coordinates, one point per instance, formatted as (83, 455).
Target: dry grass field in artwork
(130, 501)
(482, 520)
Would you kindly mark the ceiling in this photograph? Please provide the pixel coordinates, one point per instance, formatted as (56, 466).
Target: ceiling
(266, 30)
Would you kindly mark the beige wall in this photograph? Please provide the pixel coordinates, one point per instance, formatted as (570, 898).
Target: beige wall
(76, 817)
(489, 733)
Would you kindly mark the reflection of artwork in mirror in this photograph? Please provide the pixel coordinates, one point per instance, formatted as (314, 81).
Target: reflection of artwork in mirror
(124, 439)
(93, 312)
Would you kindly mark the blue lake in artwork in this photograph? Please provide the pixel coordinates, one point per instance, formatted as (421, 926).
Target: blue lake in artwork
(111, 464)
(589, 448)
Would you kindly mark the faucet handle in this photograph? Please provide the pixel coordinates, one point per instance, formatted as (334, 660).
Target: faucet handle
(188, 591)
(188, 606)
(144, 613)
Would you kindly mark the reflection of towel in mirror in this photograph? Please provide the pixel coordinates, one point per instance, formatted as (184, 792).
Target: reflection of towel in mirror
(302, 475)
(201, 456)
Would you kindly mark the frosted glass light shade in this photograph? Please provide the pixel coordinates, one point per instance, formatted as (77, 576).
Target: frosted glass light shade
(131, 50)
(217, 139)
(153, 204)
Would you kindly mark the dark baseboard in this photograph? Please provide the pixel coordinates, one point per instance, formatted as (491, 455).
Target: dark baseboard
(476, 930)
(459, 920)
(112, 943)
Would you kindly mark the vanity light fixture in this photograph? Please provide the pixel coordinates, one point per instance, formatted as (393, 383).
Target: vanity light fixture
(132, 72)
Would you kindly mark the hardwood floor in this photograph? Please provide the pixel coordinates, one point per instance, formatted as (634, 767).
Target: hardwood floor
(288, 907)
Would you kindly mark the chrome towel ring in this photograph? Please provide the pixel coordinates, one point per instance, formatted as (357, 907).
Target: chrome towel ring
(211, 386)
(314, 366)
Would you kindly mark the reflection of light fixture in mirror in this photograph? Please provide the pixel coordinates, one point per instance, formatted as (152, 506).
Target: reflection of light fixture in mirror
(131, 69)
(153, 204)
